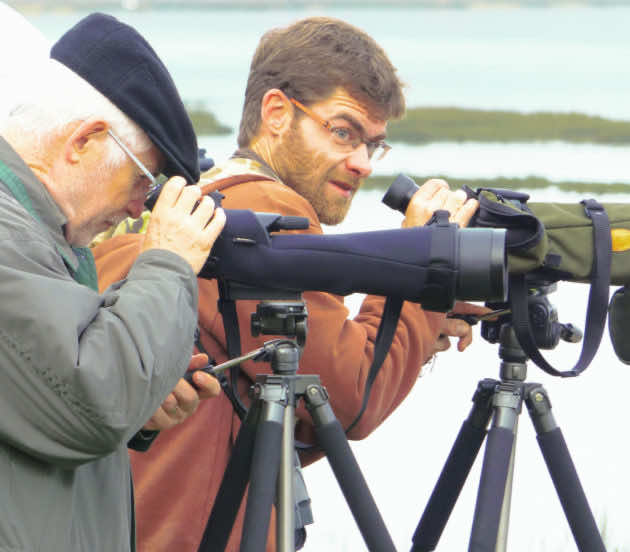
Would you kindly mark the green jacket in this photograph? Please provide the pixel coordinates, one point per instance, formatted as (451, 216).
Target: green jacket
(80, 374)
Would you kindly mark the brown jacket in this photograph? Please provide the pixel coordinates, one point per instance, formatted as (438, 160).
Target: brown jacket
(177, 479)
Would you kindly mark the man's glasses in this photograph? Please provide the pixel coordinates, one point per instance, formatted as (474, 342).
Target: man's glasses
(153, 184)
(347, 135)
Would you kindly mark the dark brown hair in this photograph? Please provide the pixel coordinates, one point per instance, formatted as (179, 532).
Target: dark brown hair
(309, 59)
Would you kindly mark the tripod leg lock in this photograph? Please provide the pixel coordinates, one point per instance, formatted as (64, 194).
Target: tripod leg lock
(316, 400)
(539, 407)
(270, 391)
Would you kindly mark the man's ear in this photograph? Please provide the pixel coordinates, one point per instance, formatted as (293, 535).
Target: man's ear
(276, 112)
(84, 138)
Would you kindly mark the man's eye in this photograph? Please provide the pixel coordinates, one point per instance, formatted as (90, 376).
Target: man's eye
(343, 134)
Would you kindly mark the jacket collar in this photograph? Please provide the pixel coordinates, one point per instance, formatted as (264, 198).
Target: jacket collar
(50, 216)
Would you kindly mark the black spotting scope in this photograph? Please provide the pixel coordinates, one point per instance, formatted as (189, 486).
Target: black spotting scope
(431, 265)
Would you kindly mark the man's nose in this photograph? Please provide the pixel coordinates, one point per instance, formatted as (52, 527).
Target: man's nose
(359, 161)
(135, 208)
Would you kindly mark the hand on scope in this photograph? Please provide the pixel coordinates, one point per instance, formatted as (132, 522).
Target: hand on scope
(454, 327)
(433, 195)
(178, 226)
(184, 399)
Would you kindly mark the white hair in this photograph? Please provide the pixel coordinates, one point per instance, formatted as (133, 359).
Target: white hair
(52, 96)
(26, 44)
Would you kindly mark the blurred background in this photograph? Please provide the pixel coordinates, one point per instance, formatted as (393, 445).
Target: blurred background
(533, 95)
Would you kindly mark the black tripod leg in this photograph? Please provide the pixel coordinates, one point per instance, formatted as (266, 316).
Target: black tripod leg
(494, 472)
(563, 473)
(333, 441)
(232, 489)
(455, 470)
(263, 477)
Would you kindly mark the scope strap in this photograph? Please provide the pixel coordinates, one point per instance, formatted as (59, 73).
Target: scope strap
(384, 338)
(227, 308)
(597, 307)
(222, 378)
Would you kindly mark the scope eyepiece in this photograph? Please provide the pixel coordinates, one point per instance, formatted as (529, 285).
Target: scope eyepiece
(400, 192)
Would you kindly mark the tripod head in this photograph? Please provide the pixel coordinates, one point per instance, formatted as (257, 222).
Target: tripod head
(543, 319)
(280, 318)
(545, 328)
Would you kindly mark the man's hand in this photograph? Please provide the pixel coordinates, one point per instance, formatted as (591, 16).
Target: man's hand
(184, 399)
(433, 195)
(178, 226)
(454, 327)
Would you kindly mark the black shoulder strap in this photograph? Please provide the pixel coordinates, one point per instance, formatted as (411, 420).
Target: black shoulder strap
(227, 308)
(597, 299)
(384, 338)
(223, 380)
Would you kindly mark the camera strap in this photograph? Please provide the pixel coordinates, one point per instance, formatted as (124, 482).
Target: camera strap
(597, 307)
(227, 308)
(384, 338)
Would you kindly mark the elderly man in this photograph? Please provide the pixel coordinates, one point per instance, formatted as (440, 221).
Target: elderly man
(318, 98)
(82, 373)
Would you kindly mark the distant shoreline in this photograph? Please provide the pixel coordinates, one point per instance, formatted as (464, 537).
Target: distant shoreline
(423, 125)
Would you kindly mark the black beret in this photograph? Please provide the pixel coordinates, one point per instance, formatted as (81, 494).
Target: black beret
(119, 63)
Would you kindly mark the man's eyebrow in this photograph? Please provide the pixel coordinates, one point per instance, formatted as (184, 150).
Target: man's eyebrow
(358, 126)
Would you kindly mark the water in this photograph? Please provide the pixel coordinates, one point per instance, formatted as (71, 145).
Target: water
(552, 59)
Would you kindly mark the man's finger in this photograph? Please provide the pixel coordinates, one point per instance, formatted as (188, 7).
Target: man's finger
(188, 197)
(465, 212)
(430, 197)
(463, 307)
(464, 341)
(204, 209)
(186, 396)
(454, 201)
(455, 328)
(169, 193)
(207, 385)
(197, 361)
(215, 224)
(159, 421)
(443, 343)
(429, 189)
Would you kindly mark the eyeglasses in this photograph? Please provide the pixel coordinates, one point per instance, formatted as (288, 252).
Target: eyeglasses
(153, 184)
(347, 135)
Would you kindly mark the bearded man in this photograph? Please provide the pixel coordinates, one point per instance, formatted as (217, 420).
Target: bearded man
(318, 98)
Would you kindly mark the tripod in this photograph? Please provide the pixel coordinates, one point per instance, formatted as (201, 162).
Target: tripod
(264, 451)
(502, 401)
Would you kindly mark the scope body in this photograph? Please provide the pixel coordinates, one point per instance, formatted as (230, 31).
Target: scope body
(433, 265)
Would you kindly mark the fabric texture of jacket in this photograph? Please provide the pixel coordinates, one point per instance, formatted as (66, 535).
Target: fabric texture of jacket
(178, 478)
(81, 374)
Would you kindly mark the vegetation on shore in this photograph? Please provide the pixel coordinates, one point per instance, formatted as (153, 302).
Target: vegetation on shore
(529, 183)
(205, 122)
(422, 125)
